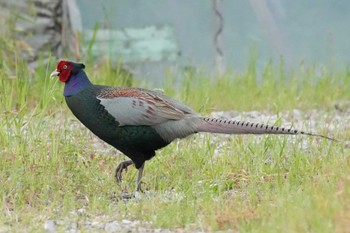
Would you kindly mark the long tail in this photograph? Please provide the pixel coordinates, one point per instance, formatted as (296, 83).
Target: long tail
(214, 125)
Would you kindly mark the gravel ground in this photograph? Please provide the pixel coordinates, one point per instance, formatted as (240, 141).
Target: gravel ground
(310, 120)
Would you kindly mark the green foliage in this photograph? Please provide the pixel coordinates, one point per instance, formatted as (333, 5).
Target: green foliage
(51, 166)
(304, 88)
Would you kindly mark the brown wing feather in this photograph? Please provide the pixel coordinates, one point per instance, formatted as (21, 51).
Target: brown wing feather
(132, 106)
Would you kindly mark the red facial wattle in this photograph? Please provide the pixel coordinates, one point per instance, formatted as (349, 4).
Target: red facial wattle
(64, 75)
(64, 68)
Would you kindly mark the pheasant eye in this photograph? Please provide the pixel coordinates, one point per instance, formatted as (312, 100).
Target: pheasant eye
(65, 67)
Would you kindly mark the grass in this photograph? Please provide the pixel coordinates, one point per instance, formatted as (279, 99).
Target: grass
(51, 166)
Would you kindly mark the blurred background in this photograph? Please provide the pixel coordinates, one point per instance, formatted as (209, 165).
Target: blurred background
(150, 38)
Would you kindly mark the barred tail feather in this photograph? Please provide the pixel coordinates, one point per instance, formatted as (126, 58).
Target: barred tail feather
(214, 125)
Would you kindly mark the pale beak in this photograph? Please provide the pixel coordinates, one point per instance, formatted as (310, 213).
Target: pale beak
(54, 73)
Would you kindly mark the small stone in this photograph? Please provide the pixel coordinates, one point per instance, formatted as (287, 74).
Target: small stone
(95, 223)
(126, 222)
(72, 228)
(50, 226)
(81, 211)
(112, 227)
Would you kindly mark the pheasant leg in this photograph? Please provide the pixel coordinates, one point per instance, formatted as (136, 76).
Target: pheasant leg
(139, 177)
(122, 166)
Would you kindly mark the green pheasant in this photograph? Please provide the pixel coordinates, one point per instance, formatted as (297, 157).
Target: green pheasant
(137, 121)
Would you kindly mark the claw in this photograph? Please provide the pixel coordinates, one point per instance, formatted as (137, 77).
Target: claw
(119, 170)
(124, 166)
